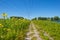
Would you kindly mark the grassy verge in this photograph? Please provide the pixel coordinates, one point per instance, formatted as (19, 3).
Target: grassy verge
(52, 28)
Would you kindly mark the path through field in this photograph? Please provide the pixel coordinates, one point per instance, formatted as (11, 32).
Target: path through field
(33, 33)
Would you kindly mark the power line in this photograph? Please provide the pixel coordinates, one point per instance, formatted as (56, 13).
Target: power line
(27, 4)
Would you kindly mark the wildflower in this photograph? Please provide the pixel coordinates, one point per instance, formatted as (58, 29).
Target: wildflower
(4, 14)
(1, 25)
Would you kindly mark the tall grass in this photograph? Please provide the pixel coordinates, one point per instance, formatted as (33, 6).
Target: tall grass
(52, 28)
(13, 29)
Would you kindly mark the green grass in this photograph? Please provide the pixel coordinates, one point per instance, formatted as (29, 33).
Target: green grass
(13, 29)
(52, 28)
(34, 38)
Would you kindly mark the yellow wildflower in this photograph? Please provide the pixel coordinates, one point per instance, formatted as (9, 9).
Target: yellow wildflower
(4, 14)
(1, 25)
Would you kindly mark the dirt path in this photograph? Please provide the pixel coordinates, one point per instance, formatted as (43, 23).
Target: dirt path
(33, 33)
(45, 34)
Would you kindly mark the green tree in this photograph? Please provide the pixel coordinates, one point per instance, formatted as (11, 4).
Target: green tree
(52, 18)
(42, 18)
(35, 18)
(56, 18)
(16, 17)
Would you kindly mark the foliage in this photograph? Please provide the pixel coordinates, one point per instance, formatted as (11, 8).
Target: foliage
(47, 18)
(16, 17)
(34, 18)
(42, 18)
(13, 29)
(56, 18)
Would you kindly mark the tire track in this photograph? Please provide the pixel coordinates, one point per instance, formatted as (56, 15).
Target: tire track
(32, 33)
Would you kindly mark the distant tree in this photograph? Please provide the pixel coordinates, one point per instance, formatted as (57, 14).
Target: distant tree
(39, 18)
(48, 18)
(34, 18)
(42, 18)
(16, 17)
(56, 18)
(52, 18)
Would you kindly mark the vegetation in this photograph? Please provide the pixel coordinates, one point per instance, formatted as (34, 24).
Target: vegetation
(51, 28)
(16, 28)
(55, 18)
(16, 17)
(13, 29)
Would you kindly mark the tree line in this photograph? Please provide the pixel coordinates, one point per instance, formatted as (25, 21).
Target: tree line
(16, 17)
(55, 18)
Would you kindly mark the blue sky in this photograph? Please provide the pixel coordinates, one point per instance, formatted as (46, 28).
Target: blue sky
(30, 8)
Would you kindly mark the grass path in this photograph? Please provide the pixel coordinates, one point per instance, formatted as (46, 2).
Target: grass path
(43, 34)
(33, 33)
